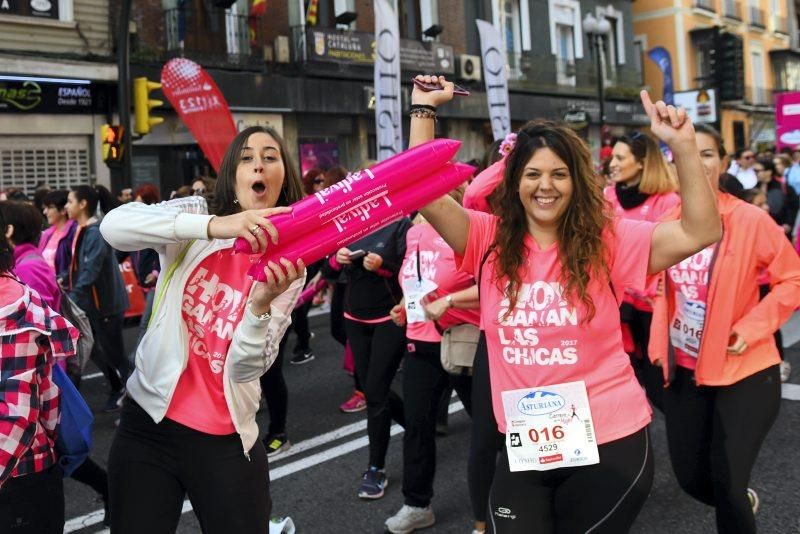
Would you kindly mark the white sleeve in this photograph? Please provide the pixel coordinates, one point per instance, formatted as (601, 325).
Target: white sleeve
(254, 346)
(134, 226)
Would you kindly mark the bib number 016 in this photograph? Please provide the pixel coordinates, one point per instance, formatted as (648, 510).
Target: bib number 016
(546, 433)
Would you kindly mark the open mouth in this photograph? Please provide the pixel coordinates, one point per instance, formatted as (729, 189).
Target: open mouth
(259, 188)
(545, 201)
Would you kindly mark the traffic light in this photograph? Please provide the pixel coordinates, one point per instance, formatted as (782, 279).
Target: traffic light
(728, 66)
(111, 134)
(142, 105)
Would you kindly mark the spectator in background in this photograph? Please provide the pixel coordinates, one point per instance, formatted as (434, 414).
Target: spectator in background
(125, 195)
(96, 285)
(145, 262)
(202, 185)
(313, 181)
(793, 174)
(782, 164)
(24, 227)
(742, 168)
(781, 198)
(39, 195)
(15, 194)
(182, 192)
(336, 174)
(56, 242)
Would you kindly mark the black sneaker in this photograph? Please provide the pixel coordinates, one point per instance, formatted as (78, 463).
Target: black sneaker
(114, 401)
(276, 444)
(302, 357)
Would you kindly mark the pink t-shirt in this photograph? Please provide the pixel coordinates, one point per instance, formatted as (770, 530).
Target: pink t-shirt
(437, 263)
(49, 250)
(652, 210)
(213, 303)
(690, 279)
(543, 341)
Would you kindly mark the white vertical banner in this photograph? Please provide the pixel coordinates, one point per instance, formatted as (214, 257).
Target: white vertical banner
(494, 75)
(388, 121)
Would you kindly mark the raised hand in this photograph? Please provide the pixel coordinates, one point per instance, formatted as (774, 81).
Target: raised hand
(432, 98)
(251, 225)
(670, 124)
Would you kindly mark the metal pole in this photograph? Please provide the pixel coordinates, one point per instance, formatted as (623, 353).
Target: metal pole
(598, 43)
(123, 174)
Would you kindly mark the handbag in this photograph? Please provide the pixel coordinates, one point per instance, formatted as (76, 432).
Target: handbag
(458, 348)
(74, 429)
(77, 317)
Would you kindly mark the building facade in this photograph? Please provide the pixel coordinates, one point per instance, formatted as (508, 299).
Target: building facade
(743, 49)
(57, 83)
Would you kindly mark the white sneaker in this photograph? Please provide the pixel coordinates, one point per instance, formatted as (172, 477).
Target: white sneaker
(786, 371)
(281, 525)
(409, 519)
(754, 501)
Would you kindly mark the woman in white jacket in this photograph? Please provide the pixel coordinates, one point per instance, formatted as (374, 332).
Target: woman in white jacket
(188, 426)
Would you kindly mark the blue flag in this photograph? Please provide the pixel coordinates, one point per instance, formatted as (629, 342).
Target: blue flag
(660, 56)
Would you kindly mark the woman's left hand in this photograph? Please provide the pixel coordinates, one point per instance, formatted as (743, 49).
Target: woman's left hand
(372, 261)
(434, 310)
(278, 280)
(670, 124)
(737, 344)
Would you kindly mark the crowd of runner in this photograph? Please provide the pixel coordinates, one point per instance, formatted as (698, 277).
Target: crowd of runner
(559, 299)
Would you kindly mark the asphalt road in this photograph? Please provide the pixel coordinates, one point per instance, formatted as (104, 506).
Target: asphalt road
(316, 481)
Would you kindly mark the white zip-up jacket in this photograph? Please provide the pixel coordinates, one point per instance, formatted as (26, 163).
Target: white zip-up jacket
(169, 228)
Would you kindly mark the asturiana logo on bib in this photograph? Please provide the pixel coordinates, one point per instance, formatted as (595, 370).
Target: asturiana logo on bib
(540, 403)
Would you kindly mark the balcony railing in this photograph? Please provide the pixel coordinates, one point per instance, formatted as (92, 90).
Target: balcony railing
(780, 24)
(224, 39)
(732, 9)
(708, 5)
(756, 17)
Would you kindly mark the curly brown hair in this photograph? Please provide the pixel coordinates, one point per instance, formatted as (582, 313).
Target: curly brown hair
(581, 248)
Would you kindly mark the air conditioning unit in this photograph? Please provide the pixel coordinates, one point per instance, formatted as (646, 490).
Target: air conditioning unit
(280, 48)
(469, 67)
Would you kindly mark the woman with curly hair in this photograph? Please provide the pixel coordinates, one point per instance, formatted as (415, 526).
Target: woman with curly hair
(553, 266)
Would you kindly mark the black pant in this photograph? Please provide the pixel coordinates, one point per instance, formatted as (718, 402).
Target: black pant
(602, 498)
(485, 441)
(714, 435)
(108, 351)
(33, 504)
(300, 315)
(424, 380)
(338, 330)
(276, 393)
(94, 476)
(153, 466)
(650, 376)
(377, 350)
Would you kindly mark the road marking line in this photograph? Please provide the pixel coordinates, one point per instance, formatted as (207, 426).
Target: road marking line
(790, 391)
(93, 375)
(93, 518)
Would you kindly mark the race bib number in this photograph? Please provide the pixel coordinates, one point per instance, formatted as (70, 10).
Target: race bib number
(414, 291)
(686, 330)
(549, 427)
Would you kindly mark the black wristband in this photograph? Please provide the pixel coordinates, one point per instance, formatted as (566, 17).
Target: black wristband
(415, 107)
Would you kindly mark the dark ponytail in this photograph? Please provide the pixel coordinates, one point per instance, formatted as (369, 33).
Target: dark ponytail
(6, 252)
(93, 196)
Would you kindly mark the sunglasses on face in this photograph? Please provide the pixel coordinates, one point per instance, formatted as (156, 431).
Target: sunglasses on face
(748, 157)
(319, 181)
(198, 191)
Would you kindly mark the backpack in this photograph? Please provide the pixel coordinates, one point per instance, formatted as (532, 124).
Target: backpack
(74, 429)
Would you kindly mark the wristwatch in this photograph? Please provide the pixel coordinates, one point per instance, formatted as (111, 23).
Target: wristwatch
(264, 316)
(449, 300)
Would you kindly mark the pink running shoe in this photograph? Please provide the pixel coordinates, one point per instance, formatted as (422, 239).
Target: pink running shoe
(354, 404)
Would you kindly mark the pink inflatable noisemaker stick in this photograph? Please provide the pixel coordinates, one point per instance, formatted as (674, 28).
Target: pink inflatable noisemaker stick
(366, 216)
(388, 176)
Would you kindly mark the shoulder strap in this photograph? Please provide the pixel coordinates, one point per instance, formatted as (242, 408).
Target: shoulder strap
(167, 278)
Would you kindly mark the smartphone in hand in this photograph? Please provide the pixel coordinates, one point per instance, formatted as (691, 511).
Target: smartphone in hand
(356, 254)
(457, 90)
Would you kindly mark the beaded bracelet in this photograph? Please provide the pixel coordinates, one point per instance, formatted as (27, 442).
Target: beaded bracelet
(420, 111)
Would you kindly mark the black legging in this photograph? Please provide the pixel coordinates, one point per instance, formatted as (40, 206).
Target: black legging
(378, 350)
(273, 387)
(762, 292)
(338, 330)
(714, 434)
(108, 351)
(300, 315)
(485, 440)
(603, 498)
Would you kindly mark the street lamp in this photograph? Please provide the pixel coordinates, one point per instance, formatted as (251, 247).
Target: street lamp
(596, 30)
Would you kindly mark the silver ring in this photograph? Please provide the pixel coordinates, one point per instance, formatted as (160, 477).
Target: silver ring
(254, 229)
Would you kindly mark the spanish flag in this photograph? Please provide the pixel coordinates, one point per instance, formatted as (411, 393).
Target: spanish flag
(311, 14)
(258, 8)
